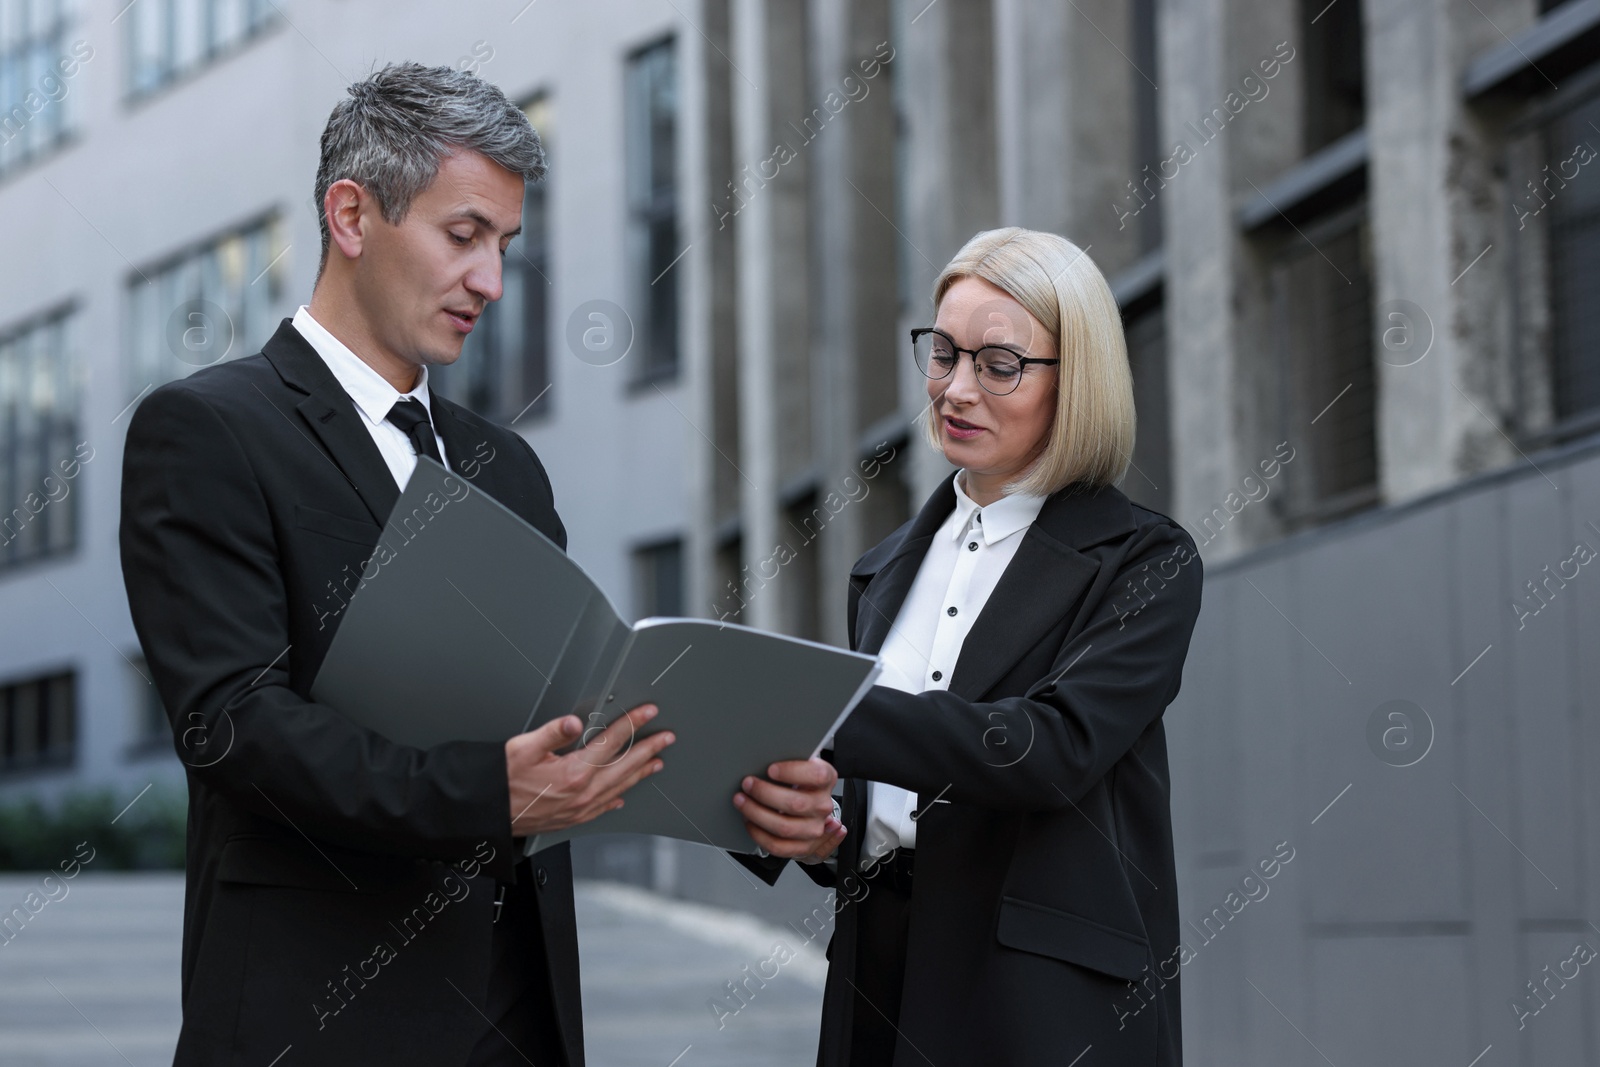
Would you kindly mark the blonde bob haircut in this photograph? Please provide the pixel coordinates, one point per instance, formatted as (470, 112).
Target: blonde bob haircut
(1090, 439)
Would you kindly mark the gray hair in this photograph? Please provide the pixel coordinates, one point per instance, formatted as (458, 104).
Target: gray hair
(400, 122)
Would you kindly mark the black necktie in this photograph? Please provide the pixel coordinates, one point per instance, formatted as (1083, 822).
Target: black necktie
(412, 417)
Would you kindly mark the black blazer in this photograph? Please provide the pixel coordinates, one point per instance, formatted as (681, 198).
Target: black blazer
(1045, 881)
(322, 908)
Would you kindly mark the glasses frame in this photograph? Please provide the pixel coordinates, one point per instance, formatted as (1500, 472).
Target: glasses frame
(1022, 361)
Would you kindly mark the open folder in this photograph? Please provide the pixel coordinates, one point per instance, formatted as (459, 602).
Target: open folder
(469, 624)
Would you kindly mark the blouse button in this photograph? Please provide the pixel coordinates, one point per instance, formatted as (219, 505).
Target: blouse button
(972, 546)
(951, 610)
(938, 675)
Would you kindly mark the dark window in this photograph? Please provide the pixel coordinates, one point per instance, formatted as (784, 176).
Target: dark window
(1335, 86)
(652, 121)
(1322, 286)
(1574, 250)
(38, 722)
(1147, 119)
(504, 370)
(888, 501)
(1149, 477)
(733, 589)
(41, 454)
(800, 583)
(658, 576)
(152, 730)
(1553, 186)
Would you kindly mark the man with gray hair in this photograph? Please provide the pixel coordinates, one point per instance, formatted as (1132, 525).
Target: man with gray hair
(349, 899)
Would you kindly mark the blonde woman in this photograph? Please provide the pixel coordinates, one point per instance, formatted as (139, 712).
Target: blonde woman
(1004, 874)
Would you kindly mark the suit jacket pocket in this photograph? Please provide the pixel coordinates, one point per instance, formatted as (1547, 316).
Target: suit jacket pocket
(297, 865)
(1062, 935)
(359, 531)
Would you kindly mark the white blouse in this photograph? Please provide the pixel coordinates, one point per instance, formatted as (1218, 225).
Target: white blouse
(968, 554)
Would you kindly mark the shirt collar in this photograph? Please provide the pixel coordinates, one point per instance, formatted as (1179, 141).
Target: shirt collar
(997, 521)
(371, 392)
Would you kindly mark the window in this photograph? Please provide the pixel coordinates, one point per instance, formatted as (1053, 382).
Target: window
(210, 303)
(38, 722)
(1147, 119)
(1335, 90)
(799, 590)
(37, 65)
(728, 598)
(504, 370)
(658, 579)
(169, 38)
(652, 120)
(1553, 182)
(1322, 311)
(1149, 477)
(41, 455)
(151, 729)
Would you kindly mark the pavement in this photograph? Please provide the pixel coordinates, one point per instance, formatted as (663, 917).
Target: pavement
(91, 979)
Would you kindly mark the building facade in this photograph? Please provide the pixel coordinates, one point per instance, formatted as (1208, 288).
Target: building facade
(1354, 243)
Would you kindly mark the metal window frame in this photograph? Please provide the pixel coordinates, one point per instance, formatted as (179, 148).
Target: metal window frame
(1539, 113)
(648, 208)
(1296, 510)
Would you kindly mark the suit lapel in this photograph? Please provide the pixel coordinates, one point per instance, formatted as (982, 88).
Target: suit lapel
(331, 417)
(461, 446)
(338, 426)
(1043, 581)
(887, 582)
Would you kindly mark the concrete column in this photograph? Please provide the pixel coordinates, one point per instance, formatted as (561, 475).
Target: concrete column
(1200, 245)
(1220, 347)
(769, 202)
(854, 313)
(1065, 82)
(1437, 206)
(950, 169)
(707, 284)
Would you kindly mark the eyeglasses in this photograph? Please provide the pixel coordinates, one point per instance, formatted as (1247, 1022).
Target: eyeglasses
(999, 370)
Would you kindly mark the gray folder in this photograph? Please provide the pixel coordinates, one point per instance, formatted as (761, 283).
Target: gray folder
(469, 624)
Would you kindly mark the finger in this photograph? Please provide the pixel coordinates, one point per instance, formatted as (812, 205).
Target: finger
(594, 811)
(820, 848)
(553, 735)
(800, 802)
(616, 779)
(609, 744)
(627, 765)
(777, 823)
(805, 773)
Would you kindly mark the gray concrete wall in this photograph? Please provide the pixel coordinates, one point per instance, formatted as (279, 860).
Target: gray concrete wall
(1442, 859)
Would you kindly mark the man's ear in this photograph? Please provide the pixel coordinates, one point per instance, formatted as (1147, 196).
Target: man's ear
(343, 206)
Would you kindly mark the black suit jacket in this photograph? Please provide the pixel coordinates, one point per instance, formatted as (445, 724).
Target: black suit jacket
(338, 892)
(1045, 891)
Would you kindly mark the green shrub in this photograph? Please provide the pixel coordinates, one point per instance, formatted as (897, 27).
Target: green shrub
(148, 836)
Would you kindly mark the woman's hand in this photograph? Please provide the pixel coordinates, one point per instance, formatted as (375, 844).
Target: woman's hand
(792, 815)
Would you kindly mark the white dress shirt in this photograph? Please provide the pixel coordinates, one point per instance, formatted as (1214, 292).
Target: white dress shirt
(968, 554)
(373, 396)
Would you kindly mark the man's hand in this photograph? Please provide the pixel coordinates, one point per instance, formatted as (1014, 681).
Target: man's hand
(550, 792)
(792, 815)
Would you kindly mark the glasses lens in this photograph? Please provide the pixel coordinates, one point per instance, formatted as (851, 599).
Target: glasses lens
(935, 356)
(999, 370)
